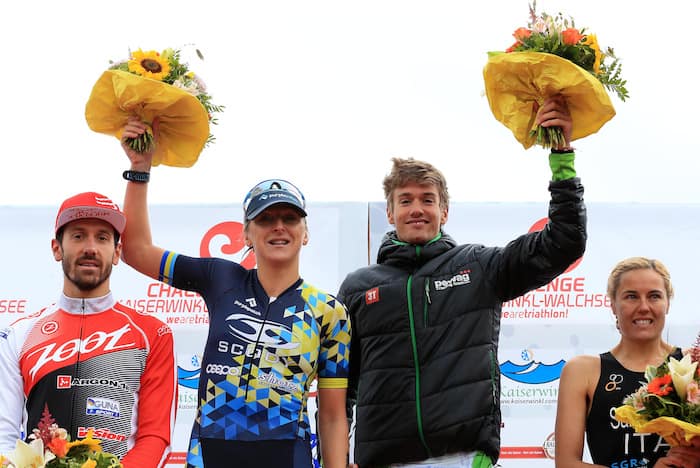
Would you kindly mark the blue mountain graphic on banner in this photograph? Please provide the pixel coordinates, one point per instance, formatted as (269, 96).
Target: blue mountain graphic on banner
(188, 378)
(533, 372)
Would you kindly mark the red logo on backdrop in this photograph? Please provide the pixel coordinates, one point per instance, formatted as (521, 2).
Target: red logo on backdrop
(63, 381)
(372, 296)
(234, 243)
(538, 226)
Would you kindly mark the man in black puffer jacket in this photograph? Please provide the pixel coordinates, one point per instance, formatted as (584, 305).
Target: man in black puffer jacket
(426, 318)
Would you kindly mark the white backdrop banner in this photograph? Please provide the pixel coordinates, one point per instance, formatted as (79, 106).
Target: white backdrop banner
(539, 331)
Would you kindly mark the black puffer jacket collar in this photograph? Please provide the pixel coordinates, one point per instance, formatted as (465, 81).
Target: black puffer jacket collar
(399, 254)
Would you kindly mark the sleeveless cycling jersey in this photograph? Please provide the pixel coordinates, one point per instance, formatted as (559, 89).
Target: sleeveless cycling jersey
(261, 355)
(95, 365)
(612, 443)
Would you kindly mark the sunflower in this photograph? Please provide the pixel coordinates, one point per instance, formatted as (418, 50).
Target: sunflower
(592, 41)
(89, 443)
(149, 64)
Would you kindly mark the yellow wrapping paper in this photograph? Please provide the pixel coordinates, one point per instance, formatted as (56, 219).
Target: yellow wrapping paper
(184, 123)
(516, 80)
(674, 431)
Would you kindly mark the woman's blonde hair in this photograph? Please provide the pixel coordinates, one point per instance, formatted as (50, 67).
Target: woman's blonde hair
(638, 263)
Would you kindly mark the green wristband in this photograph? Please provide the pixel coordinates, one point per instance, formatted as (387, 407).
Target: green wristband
(562, 165)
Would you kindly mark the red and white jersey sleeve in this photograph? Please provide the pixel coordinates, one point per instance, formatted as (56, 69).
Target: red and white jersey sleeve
(12, 413)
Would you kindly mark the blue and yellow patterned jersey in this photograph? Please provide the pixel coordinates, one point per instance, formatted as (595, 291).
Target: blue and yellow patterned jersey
(261, 354)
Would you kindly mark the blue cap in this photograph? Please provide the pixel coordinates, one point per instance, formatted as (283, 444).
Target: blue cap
(271, 192)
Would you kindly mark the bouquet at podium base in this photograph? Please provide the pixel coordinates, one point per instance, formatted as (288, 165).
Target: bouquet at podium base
(51, 447)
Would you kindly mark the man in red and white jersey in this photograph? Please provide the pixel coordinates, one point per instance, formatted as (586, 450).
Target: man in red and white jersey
(92, 362)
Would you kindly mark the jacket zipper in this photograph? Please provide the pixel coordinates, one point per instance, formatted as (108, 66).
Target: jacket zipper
(427, 302)
(76, 371)
(411, 321)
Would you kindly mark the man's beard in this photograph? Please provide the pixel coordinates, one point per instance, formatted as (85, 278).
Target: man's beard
(85, 284)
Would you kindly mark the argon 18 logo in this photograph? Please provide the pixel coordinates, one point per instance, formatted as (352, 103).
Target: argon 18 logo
(252, 330)
(538, 226)
(226, 238)
(98, 341)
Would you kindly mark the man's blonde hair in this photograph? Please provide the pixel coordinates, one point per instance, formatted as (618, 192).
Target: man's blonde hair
(405, 171)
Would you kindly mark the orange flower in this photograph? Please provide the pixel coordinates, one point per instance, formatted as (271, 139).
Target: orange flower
(512, 48)
(521, 34)
(58, 446)
(661, 386)
(571, 36)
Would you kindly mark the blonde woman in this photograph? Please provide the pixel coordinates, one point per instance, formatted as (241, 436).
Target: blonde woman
(591, 387)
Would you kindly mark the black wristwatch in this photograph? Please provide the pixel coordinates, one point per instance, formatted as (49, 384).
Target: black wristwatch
(136, 176)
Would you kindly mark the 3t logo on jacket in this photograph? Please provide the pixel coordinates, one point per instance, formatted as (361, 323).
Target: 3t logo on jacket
(372, 296)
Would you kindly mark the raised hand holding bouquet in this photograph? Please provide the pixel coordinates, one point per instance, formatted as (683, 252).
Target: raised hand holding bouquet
(668, 403)
(153, 85)
(50, 447)
(549, 57)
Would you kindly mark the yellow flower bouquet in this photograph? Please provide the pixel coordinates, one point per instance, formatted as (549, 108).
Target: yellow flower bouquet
(51, 447)
(153, 85)
(551, 56)
(668, 403)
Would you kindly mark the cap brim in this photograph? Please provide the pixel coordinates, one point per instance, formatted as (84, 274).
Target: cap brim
(115, 218)
(252, 214)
